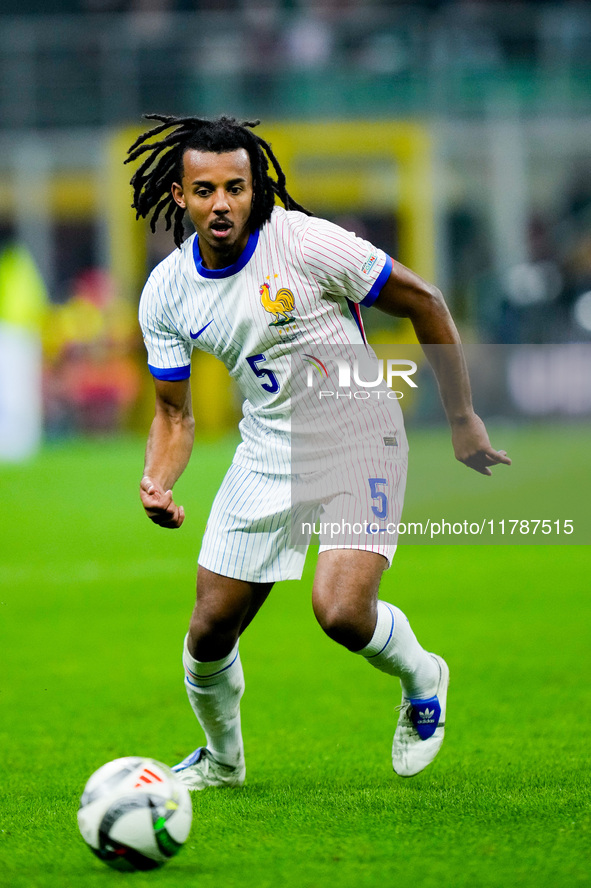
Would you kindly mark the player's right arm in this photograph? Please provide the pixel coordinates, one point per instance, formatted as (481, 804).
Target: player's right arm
(168, 450)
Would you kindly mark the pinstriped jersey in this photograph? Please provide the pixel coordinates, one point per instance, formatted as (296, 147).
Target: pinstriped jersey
(296, 286)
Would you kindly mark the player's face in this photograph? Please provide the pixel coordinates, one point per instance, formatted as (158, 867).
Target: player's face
(216, 190)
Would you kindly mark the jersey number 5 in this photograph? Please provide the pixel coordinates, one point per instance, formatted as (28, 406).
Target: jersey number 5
(272, 385)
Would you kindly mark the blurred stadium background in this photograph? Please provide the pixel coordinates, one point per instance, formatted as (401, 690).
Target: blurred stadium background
(457, 135)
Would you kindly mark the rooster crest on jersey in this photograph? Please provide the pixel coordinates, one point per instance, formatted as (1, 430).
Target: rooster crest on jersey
(280, 306)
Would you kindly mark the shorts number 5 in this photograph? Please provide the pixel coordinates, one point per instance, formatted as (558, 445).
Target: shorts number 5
(380, 510)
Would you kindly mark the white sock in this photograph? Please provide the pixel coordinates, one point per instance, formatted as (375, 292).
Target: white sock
(394, 649)
(214, 691)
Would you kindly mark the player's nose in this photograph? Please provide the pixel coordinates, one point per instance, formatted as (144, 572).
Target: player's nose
(220, 204)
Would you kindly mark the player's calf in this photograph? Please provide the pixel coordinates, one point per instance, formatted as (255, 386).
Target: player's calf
(424, 677)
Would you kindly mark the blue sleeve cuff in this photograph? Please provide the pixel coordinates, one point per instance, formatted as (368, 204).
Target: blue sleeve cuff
(378, 283)
(172, 374)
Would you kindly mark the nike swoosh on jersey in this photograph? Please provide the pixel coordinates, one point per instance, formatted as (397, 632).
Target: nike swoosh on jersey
(199, 332)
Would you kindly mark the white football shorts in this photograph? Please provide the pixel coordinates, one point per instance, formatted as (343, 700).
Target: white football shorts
(260, 525)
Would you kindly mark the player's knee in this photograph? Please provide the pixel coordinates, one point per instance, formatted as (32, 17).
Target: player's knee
(212, 636)
(341, 622)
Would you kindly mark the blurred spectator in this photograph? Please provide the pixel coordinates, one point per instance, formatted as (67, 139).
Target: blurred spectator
(309, 42)
(548, 297)
(92, 380)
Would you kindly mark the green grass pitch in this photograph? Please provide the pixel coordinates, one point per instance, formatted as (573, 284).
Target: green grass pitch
(94, 603)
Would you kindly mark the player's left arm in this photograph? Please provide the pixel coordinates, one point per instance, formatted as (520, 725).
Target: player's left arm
(406, 295)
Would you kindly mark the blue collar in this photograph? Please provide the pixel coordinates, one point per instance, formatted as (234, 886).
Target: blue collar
(237, 266)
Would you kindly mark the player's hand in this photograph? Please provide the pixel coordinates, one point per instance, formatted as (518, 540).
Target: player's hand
(472, 446)
(159, 504)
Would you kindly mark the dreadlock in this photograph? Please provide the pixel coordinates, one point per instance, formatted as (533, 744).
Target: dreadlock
(152, 181)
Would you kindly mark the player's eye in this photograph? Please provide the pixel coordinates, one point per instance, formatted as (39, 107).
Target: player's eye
(236, 189)
(202, 192)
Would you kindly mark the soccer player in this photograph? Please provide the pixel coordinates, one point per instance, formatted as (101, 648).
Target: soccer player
(247, 262)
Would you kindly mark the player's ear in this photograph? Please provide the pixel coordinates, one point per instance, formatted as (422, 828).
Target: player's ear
(178, 196)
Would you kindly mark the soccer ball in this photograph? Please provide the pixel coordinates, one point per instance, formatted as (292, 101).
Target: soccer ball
(134, 814)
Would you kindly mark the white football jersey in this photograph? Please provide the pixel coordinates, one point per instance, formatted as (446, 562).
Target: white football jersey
(295, 289)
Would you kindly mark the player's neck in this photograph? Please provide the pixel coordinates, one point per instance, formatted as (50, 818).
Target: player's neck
(222, 256)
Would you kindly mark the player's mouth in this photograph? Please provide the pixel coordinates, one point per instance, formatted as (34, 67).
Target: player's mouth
(221, 228)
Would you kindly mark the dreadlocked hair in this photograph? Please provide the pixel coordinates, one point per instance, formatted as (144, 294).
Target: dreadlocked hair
(152, 181)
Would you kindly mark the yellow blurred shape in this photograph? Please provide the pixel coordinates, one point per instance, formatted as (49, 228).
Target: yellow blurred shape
(23, 297)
